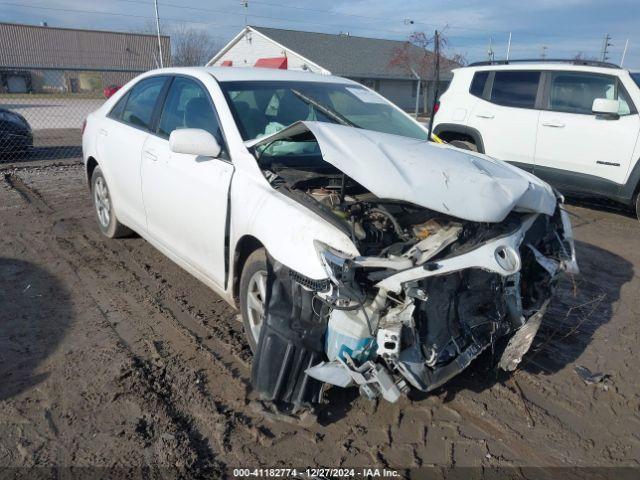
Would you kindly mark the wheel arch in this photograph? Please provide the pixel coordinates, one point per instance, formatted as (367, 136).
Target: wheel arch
(245, 246)
(460, 132)
(91, 165)
(631, 189)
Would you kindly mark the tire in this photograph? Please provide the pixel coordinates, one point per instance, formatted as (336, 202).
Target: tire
(252, 294)
(463, 144)
(103, 206)
(638, 206)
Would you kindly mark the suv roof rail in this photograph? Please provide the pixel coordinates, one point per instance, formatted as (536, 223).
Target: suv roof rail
(591, 63)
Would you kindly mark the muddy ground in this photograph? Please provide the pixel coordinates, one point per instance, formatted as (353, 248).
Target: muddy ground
(110, 355)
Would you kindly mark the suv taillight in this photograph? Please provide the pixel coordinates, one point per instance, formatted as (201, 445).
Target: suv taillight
(436, 107)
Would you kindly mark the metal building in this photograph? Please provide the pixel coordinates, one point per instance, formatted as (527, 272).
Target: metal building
(52, 59)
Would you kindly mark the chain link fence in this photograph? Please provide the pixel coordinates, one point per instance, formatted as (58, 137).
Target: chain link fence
(42, 109)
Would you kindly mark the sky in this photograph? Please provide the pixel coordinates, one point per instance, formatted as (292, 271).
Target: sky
(560, 28)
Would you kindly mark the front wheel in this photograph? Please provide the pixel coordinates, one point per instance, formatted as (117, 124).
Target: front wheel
(107, 221)
(253, 291)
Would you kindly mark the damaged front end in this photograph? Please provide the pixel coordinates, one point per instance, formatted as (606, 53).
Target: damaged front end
(428, 293)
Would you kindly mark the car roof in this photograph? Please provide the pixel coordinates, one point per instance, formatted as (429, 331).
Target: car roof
(228, 74)
(546, 66)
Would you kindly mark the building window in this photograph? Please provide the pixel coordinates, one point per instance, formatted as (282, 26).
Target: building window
(371, 83)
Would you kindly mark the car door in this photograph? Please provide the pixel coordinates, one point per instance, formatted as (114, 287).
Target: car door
(507, 116)
(577, 149)
(185, 196)
(119, 145)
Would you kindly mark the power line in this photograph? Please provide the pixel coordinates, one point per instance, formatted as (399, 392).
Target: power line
(413, 21)
(98, 12)
(329, 12)
(183, 20)
(276, 18)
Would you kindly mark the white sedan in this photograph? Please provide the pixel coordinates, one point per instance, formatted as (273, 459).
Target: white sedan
(358, 252)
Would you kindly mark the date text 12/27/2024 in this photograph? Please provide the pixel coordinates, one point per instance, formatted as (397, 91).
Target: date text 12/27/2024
(315, 473)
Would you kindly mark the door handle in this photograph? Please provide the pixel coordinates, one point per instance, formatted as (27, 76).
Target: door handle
(553, 123)
(103, 132)
(484, 115)
(150, 155)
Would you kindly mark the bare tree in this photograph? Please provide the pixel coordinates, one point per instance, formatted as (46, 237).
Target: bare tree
(581, 56)
(460, 59)
(193, 47)
(416, 57)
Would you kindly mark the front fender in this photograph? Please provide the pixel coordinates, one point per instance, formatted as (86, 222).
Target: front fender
(286, 228)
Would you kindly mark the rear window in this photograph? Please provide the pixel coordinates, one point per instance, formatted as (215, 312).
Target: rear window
(636, 78)
(478, 82)
(515, 89)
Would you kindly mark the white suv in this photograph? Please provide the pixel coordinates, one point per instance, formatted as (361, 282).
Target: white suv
(574, 124)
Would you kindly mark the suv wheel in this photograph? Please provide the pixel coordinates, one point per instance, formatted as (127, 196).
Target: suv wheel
(253, 289)
(107, 221)
(465, 145)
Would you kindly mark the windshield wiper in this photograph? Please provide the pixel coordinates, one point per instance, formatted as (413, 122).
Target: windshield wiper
(328, 111)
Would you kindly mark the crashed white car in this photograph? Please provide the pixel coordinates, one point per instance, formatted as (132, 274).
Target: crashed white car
(359, 253)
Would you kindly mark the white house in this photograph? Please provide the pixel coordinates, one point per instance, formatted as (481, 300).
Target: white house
(366, 60)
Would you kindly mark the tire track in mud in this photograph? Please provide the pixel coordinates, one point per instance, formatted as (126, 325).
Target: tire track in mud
(27, 194)
(156, 378)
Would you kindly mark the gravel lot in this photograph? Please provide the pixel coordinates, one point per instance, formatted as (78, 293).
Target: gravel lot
(110, 355)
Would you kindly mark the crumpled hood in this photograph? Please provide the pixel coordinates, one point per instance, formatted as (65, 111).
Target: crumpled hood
(445, 179)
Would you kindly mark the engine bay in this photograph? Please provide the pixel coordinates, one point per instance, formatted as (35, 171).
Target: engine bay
(428, 293)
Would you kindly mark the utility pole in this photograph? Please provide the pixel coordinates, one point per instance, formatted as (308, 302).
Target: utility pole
(543, 53)
(415, 74)
(245, 4)
(624, 52)
(158, 30)
(605, 47)
(437, 82)
(509, 47)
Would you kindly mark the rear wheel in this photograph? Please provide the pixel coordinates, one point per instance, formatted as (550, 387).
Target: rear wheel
(464, 144)
(107, 221)
(253, 291)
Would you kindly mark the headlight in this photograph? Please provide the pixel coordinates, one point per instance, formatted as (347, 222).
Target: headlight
(337, 264)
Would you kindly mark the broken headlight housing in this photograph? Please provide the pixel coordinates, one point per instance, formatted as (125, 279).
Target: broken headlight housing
(337, 264)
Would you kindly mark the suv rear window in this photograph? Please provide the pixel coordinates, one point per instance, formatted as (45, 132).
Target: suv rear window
(478, 82)
(515, 88)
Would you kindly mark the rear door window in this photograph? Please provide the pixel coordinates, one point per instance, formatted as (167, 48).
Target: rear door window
(515, 88)
(141, 102)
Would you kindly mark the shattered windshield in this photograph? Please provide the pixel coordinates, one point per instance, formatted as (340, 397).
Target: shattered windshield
(265, 107)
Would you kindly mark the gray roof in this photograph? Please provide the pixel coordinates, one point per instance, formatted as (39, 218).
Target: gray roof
(25, 46)
(348, 55)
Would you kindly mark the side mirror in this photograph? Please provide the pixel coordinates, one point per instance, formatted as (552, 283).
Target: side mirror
(604, 106)
(194, 141)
